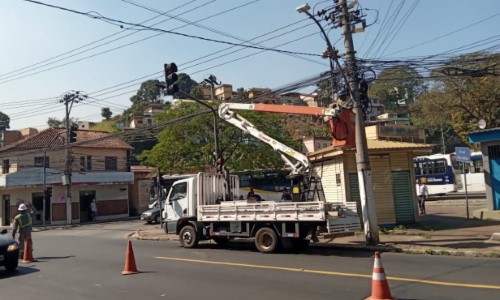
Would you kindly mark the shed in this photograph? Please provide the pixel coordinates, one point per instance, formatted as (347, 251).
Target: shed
(392, 172)
(490, 148)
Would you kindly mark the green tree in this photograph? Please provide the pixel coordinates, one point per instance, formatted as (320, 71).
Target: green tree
(464, 91)
(107, 125)
(56, 123)
(400, 83)
(188, 144)
(4, 121)
(106, 113)
(186, 84)
(324, 92)
(149, 92)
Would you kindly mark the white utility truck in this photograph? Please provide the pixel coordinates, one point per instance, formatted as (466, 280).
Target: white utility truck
(205, 206)
(199, 208)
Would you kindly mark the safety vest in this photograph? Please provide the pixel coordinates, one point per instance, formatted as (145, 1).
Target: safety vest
(19, 219)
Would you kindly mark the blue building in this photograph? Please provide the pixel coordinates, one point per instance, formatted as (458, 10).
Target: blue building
(489, 139)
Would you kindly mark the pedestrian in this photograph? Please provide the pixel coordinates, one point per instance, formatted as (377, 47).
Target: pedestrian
(286, 196)
(422, 194)
(93, 210)
(23, 223)
(250, 194)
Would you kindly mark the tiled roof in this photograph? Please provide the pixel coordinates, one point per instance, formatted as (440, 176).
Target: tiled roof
(378, 145)
(54, 138)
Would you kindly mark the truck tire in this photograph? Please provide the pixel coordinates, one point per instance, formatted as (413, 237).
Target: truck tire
(266, 240)
(188, 237)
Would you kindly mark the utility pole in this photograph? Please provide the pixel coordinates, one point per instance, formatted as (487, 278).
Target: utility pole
(362, 158)
(68, 99)
(212, 81)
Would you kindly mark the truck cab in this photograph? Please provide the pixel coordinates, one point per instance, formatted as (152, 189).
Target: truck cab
(180, 203)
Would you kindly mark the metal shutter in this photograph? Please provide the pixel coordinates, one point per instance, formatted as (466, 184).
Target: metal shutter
(403, 197)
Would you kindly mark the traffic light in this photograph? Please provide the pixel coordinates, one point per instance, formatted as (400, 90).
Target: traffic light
(171, 79)
(72, 134)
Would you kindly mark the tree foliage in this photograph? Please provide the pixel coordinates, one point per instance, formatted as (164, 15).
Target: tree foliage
(107, 125)
(186, 84)
(4, 121)
(56, 123)
(149, 92)
(465, 90)
(396, 84)
(188, 144)
(106, 113)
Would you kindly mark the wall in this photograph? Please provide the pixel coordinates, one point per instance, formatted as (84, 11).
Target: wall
(333, 179)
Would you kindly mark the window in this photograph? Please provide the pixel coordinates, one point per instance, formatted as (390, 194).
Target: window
(89, 162)
(179, 191)
(82, 163)
(39, 161)
(110, 163)
(338, 180)
(5, 166)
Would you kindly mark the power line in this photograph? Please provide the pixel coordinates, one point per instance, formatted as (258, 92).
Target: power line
(30, 67)
(120, 23)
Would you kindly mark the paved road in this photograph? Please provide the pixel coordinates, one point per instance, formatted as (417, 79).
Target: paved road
(86, 263)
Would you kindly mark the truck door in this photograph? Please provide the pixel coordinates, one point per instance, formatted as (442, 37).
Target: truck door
(177, 205)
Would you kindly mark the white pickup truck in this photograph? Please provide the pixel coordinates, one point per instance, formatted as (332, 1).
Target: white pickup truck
(199, 208)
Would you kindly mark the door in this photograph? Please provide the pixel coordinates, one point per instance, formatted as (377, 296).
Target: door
(177, 205)
(494, 157)
(403, 197)
(37, 201)
(86, 198)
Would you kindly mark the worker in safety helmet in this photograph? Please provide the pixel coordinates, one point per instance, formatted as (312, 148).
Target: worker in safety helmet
(22, 222)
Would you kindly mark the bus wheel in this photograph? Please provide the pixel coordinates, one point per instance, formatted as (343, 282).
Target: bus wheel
(188, 237)
(266, 240)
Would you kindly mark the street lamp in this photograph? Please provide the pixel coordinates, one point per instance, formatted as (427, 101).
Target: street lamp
(331, 53)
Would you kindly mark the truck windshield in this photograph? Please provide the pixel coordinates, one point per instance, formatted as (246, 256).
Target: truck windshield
(179, 191)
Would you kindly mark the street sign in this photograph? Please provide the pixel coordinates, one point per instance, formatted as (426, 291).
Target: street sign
(463, 154)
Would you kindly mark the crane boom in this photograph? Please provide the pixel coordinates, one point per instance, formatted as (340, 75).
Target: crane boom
(302, 163)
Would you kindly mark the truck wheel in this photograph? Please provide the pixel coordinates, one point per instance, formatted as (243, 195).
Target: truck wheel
(188, 237)
(266, 240)
(221, 241)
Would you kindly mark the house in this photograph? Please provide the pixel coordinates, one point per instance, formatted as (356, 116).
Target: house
(146, 119)
(99, 169)
(393, 178)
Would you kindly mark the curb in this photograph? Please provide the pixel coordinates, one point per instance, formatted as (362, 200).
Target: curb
(387, 247)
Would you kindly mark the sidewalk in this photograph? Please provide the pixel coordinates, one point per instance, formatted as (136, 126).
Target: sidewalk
(445, 230)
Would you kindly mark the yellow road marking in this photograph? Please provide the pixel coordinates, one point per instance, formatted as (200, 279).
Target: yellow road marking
(468, 285)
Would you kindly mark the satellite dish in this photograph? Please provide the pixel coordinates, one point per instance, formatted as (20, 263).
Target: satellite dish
(481, 123)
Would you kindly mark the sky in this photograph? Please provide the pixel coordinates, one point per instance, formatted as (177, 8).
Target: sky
(46, 52)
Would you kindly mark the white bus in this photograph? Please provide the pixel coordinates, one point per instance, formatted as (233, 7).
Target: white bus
(440, 172)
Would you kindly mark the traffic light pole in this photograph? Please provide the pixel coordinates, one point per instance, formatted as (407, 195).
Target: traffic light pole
(362, 158)
(45, 193)
(68, 101)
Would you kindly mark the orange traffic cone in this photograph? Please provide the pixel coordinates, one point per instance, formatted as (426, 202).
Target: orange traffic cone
(380, 287)
(130, 267)
(28, 252)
